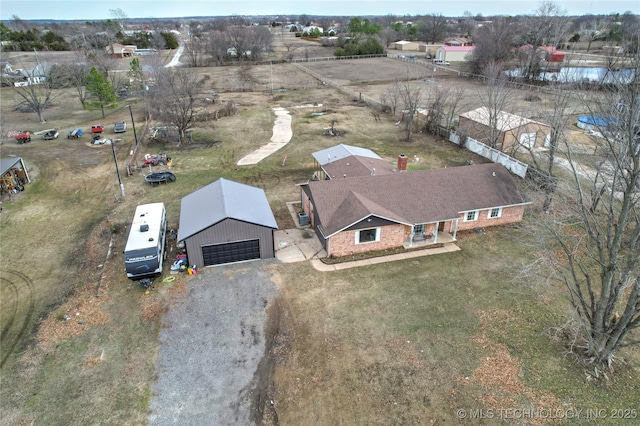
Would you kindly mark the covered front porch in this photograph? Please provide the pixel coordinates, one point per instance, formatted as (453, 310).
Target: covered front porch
(426, 234)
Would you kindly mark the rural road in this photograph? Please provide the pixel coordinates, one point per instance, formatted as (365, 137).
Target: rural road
(211, 343)
(175, 61)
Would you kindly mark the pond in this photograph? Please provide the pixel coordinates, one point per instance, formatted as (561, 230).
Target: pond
(581, 74)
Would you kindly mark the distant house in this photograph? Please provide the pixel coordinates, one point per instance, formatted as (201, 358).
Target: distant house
(458, 41)
(408, 209)
(454, 53)
(405, 45)
(118, 51)
(512, 129)
(429, 49)
(547, 53)
(307, 30)
(226, 222)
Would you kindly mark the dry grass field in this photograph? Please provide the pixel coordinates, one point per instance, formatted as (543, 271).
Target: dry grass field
(403, 343)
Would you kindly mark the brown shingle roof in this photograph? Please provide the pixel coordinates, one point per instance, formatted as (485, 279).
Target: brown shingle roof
(356, 165)
(413, 197)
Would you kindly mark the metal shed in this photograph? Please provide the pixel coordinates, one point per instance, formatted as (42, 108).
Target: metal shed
(226, 222)
(13, 174)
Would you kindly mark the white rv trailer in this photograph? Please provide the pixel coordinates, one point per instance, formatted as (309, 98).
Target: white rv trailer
(144, 252)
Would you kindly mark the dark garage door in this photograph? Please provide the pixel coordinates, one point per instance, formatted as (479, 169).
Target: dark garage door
(231, 252)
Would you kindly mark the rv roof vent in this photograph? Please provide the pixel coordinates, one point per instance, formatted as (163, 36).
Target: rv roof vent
(144, 227)
(151, 239)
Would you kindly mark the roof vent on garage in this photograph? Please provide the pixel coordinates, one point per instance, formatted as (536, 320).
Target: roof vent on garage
(144, 227)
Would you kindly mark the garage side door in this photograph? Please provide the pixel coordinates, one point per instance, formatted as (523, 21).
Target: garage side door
(231, 252)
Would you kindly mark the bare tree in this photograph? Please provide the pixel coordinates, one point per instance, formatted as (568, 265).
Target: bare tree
(546, 28)
(291, 46)
(411, 96)
(174, 97)
(592, 30)
(495, 98)
(119, 16)
(453, 103)
(557, 115)
(391, 97)
(260, 40)
(493, 43)
(238, 42)
(436, 106)
(387, 36)
(78, 75)
(590, 241)
(196, 50)
(630, 36)
(432, 29)
(36, 93)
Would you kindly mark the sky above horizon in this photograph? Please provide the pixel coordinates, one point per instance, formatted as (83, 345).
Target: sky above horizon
(96, 10)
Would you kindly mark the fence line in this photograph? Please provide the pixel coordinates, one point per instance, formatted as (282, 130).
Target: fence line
(514, 165)
(356, 96)
(337, 58)
(132, 164)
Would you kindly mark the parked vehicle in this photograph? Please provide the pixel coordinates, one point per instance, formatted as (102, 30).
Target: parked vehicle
(51, 134)
(154, 160)
(97, 128)
(74, 133)
(144, 251)
(98, 140)
(441, 62)
(22, 137)
(120, 127)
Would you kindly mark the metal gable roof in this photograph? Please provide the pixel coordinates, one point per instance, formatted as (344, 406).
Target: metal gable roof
(221, 200)
(338, 152)
(7, 163)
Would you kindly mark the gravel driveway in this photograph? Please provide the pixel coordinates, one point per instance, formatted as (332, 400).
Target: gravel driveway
(210, 346)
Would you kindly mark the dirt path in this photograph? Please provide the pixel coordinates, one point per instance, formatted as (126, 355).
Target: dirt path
(212, 343)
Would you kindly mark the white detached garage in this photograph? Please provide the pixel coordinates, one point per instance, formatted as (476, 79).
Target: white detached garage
(226, 222)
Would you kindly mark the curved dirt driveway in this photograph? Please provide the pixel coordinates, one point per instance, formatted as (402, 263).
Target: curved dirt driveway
(211, 344)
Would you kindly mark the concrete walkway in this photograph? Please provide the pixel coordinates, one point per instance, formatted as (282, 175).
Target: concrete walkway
(321, 266)
(282, 134)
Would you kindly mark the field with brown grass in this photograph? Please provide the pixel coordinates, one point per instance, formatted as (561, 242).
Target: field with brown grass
(410, 342)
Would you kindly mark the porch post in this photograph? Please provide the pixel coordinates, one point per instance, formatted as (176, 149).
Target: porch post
(435, 234)
(455, 229)
(411, 234)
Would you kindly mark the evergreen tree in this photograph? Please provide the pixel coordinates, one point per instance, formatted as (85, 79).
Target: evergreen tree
(102, 91)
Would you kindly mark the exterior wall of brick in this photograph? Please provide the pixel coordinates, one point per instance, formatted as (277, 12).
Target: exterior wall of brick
(344, 243)
(509, 215)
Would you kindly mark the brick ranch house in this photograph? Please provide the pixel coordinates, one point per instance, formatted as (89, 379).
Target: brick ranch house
(407, 209)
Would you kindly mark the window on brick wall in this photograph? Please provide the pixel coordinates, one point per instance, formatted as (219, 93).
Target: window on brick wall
(471, 216)
(368, 235)
(495, 213)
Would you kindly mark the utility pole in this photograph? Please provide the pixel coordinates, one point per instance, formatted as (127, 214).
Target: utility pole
(133, 124)
(115, 160)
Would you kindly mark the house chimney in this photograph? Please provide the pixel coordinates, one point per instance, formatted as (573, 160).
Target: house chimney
(402, 163)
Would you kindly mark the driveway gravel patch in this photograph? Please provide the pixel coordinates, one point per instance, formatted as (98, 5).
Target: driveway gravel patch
(211, 343)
